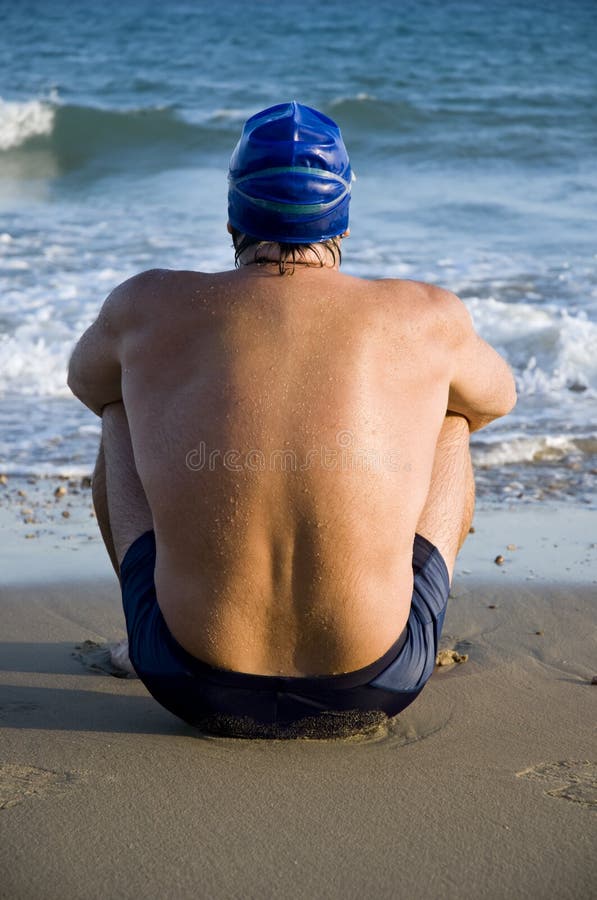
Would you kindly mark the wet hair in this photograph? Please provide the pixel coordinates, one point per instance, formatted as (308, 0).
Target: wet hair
(291, 255)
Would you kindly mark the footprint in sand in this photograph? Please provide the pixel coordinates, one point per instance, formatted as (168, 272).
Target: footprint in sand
(569, 779)
(19, 782)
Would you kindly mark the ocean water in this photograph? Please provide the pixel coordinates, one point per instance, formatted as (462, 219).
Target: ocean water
(472, 129)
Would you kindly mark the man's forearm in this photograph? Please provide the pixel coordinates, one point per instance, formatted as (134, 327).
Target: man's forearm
(475, 422)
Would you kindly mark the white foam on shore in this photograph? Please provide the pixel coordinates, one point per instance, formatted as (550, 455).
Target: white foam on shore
(540, 448)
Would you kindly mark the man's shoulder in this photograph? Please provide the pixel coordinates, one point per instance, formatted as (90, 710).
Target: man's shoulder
(133, 298)
(421, 290)
(125, 293)
(152, 280)
(433, 312)
(418, 297)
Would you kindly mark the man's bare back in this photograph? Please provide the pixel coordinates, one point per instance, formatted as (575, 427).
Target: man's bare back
(284, 431)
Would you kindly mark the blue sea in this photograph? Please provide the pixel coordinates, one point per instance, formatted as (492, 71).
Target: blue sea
(472, 128)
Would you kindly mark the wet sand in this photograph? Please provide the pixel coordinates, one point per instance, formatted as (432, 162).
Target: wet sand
(486, 786)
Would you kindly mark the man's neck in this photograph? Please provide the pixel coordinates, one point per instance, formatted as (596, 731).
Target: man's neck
(268, 253)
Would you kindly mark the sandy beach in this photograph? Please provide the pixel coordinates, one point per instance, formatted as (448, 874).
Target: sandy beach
(486, 786)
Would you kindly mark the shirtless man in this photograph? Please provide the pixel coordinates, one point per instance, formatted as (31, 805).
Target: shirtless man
(284, 479)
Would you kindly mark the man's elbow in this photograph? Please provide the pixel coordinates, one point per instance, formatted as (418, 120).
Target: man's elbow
(501, 407)
(508, 397)
(512, 399)
(71, 379)
(73, 383)
(85, 393)
(74, 376)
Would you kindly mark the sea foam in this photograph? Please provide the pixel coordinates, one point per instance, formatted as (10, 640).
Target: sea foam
(551, 349)
(21, 121)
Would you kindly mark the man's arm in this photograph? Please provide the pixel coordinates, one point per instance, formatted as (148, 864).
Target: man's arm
(482, 386)
(94, 373)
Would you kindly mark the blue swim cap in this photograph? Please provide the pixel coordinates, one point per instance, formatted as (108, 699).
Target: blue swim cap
(290, 177)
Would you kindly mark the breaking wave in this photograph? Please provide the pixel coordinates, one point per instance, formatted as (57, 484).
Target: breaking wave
(20, 122)
(40, 137)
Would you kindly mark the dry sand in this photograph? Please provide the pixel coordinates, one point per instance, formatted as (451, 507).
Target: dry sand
(485, 787)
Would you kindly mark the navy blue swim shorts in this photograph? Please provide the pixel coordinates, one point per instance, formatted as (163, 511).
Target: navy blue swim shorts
(269, 705)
